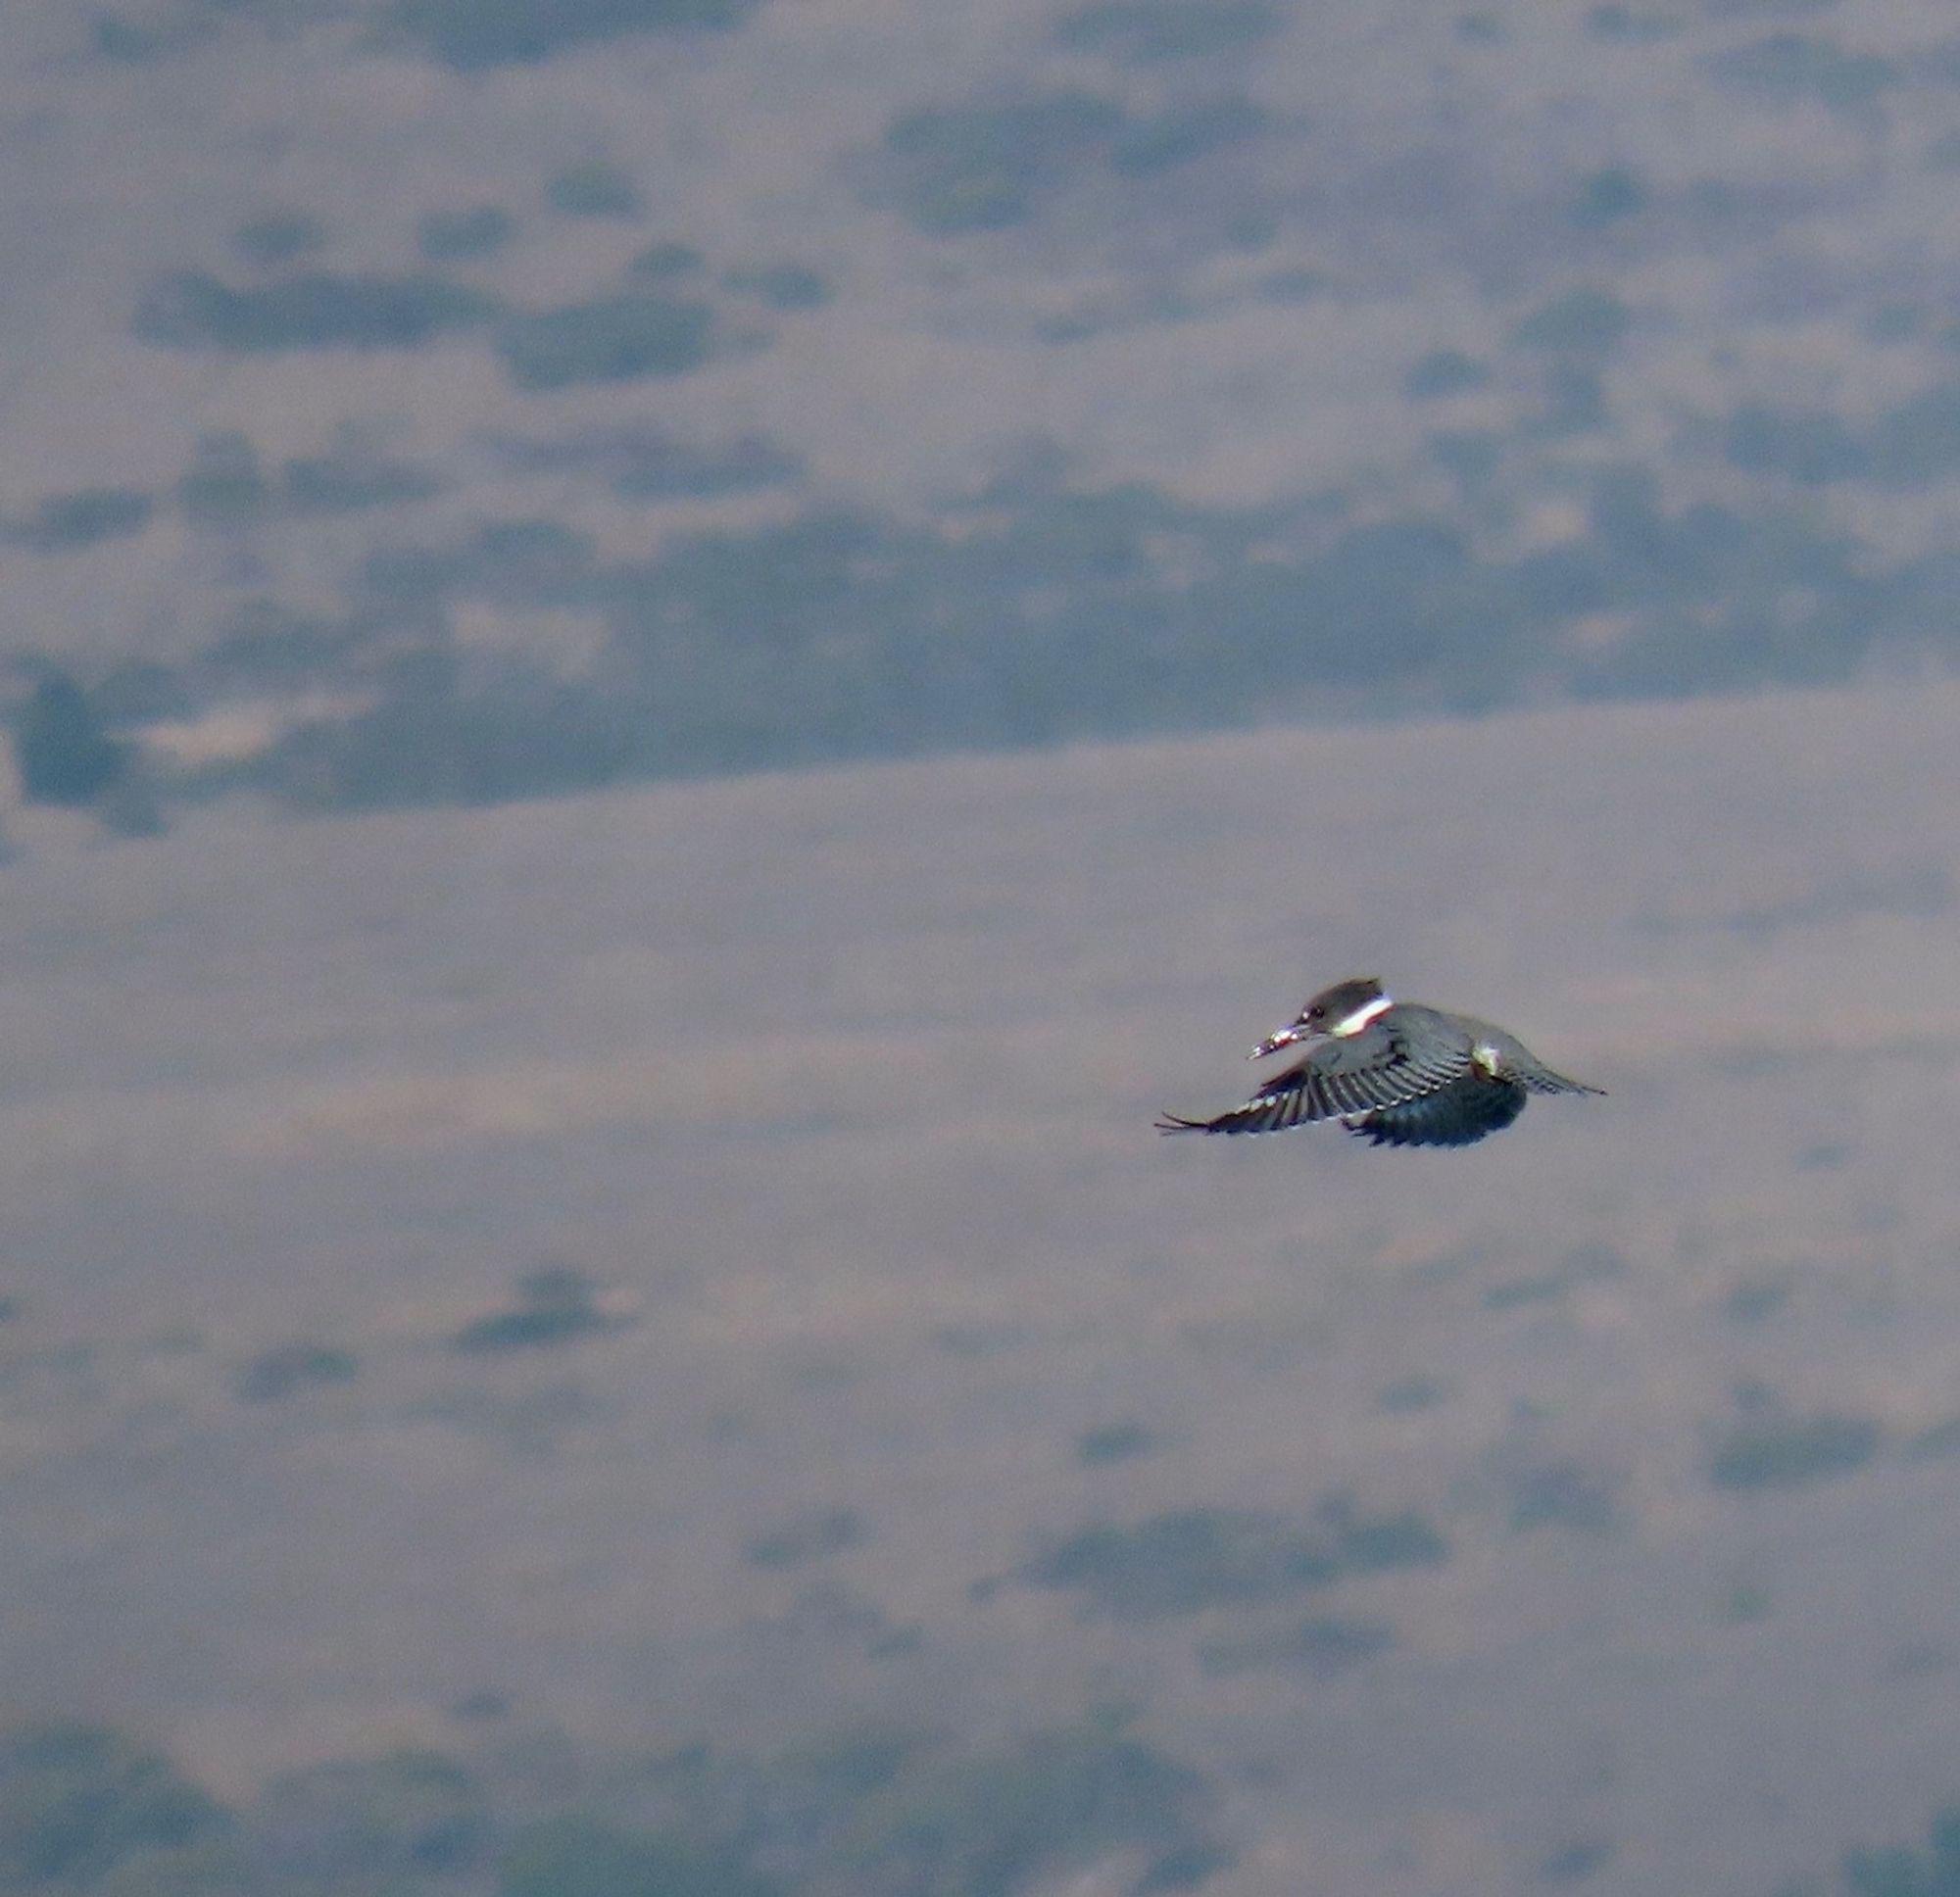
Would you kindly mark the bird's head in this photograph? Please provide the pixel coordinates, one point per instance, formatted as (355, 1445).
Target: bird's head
(1345, 1008)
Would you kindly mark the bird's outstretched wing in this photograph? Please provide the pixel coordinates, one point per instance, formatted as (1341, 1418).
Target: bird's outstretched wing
(1457, 1115)
(1344, 1078)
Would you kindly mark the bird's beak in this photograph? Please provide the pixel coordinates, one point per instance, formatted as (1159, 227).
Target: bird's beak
(1283, 1039)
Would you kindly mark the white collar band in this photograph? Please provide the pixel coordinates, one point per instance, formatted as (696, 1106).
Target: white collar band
(1363, 1015)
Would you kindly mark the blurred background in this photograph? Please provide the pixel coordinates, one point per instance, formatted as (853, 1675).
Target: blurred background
(667, 664)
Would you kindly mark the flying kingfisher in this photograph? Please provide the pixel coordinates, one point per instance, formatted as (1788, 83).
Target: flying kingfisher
(1396, 1072)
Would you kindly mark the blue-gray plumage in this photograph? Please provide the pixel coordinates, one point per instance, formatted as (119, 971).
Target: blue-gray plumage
(1395, 1072)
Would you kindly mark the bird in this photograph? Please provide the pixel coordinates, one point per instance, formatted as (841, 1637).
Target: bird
(1396, 1073)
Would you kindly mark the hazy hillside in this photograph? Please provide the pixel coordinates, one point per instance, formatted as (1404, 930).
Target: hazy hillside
(671, 661)
(422, 402)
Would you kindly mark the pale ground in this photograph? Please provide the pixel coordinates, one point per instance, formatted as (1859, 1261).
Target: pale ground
(841, 1086)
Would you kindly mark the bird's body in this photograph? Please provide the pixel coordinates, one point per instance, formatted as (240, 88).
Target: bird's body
(1396, 1072)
